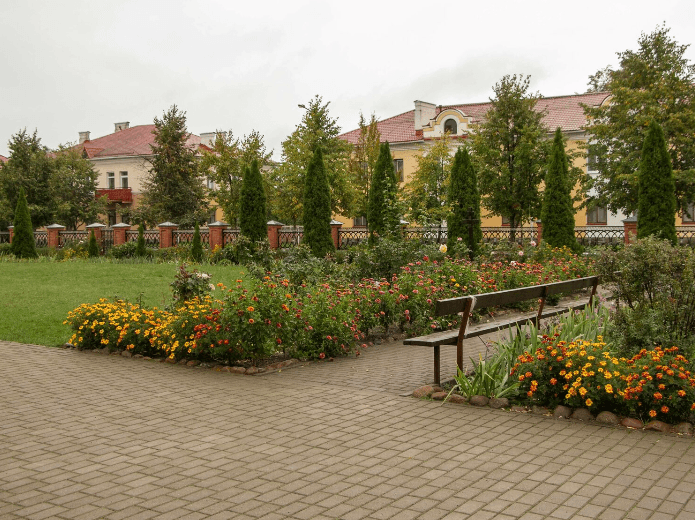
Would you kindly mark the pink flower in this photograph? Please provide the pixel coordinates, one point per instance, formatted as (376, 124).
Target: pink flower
(521, 253)
(322, 355)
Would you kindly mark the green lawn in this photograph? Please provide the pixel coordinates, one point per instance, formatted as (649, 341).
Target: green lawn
(35, 297)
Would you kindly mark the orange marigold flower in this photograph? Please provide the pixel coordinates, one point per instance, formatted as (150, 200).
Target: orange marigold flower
(652, 413)
(250, 309)
(664, 409)
(681, 393)
(657, 395)
(251, 320)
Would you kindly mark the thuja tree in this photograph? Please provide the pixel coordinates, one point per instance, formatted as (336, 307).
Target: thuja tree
(140, 249)
(657, 190)
(93, 248)
(557, 213)
(382, 211)
(317, 208)
(463, 195)
(197, 248)
(252, 215)
(23, 245)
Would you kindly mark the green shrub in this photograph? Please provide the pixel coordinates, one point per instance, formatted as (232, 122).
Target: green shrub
(197, 246)
(140, 249)
(92, 247)
(190, 284)
(23, 245)
(121, 251)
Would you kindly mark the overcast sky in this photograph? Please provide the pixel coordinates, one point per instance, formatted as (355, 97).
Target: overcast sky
(72, 65)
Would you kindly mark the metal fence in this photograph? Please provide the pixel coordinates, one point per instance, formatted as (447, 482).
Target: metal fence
(41, 238)
(352, 236)
(151, 237)
(230, 236)
(600, 235)
(4, 237)
(685, 235)
(68, 237)
(106, 239)
(185, 236)
(493, 235)
(291, 237)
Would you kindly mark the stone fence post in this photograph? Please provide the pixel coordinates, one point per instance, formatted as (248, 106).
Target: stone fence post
(166, 234)
(217, 234)
(335, 233)
(11, 228)
(630, 229)
(539, 231)
(120, 233)
(53, 232)
(274, 233)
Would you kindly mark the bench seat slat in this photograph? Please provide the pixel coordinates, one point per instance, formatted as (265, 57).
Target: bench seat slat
(449, 337)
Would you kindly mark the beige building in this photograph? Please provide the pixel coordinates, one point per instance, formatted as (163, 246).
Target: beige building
(411, 133)
(123, 161)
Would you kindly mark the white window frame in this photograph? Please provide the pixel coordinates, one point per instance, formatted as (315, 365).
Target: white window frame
(398, 168)
(124, 179)
(111, 180)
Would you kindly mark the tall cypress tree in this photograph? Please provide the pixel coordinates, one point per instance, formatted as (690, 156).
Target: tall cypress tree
(23, 245)
(93, 247)
(317, 207)
(140, 249)
(557, 213)
(382, 209)
(657, 189)
(197, 247)
(463, 194)
(252, 217)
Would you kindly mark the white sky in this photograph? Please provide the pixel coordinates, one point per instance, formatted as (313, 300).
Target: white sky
(73, 65)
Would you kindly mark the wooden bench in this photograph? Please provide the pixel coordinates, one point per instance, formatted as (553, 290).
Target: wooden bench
(466, 305)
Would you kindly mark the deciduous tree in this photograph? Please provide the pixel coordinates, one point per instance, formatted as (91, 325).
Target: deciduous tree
(509, 150)
(657, 198)
(656, 82)
(317, 129)
(362, 162)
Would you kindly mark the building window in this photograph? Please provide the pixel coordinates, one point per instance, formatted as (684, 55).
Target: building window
(124, 179)
(689, 214)
(591, 163)
(451, 126)
(112, 217)
(359, 222)
(505, 220)
(597, 215)
(111, 180)
(398, 166)
(211, 218)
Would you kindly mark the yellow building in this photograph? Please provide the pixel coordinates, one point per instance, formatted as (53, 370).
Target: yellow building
(411, 133)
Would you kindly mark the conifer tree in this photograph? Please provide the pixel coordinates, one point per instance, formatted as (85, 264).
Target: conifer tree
(93, 247)
(197, 248)
(317, 208)
(140, 249)
(557, 213)
(252, 215)
(657, 190)
(23, 245)
(463, 195)
(382, 211)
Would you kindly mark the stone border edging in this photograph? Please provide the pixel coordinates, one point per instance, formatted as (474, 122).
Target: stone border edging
(437, 393)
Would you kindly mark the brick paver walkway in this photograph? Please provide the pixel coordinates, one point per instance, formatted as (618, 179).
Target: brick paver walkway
(90, 436)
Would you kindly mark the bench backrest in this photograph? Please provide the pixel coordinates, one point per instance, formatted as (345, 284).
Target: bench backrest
(456, 305)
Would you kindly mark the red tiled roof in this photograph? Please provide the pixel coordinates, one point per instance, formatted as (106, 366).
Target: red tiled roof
(563, 111)
(132, 141)
(3, 158)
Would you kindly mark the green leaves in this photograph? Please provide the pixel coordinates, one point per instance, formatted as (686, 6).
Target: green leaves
(252, 221)
(317, 208)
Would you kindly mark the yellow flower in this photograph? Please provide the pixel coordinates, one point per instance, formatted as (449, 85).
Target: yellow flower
(589, 402)
(609, 389)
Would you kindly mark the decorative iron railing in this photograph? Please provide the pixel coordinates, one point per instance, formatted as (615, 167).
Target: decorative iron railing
(599, 235)
(106, 239)
(290, 238)
(68, 237)
(41, 238)
(151, 237)
(185, 236)
(428, 235)
(499, 234)
(230, 236)
(685, 235)
(4, 237)
(349, 237)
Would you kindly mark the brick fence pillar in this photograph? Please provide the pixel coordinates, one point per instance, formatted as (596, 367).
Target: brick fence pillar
(119, 233)
(630, 229)
(98, 229)
(335, 233)
(217, 234)
(539, 231)
(274, 233)
(53, 232)
(166, 234)
(11, 228)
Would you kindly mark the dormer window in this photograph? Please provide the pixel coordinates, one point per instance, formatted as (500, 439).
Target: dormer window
(451, 126)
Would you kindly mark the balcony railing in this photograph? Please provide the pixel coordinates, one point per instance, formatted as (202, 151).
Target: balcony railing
(115, 194)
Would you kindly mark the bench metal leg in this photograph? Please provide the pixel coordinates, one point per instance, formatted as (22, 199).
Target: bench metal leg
(436, 365)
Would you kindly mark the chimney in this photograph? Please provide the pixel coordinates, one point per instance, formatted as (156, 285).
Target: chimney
(122, 126)
(208, 139)
(423, 113)
(84, 136)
